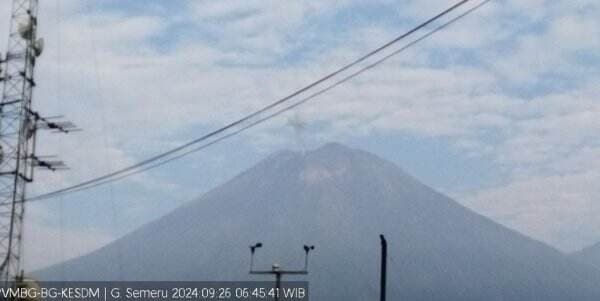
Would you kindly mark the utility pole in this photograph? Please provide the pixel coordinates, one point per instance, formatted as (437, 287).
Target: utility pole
(383, 267)
(276, 270)
(18, 131)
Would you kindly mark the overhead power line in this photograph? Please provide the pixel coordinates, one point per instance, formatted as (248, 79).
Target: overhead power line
(285, 109)
(154, 161)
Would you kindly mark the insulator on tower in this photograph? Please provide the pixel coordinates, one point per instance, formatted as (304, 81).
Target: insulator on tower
(25, 28)
(38, 47)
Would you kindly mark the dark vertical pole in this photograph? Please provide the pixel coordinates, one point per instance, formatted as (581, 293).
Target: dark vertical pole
(277, 285)
(383, 266)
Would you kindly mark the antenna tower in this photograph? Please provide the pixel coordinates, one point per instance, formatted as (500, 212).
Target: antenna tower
(19, 124)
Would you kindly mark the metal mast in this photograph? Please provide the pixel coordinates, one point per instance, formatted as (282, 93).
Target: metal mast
(276, 270)
(382, 292)
(18, 128)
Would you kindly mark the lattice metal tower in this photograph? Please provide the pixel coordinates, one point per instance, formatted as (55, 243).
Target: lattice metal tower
(18, 128)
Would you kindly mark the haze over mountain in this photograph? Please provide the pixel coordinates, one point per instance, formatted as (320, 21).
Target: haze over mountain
(589, 255)
(340, 200)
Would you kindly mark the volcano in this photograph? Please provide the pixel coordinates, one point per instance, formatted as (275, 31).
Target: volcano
(339, 199)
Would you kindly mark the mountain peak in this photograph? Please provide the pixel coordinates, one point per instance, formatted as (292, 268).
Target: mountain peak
(333, 147)
(340, 199)
(327, 149)
(329, 162)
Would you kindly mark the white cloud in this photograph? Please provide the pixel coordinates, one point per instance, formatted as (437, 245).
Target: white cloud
(134, 98)
(560, 209)
(552, 156)
(258, 31)
(569, 31)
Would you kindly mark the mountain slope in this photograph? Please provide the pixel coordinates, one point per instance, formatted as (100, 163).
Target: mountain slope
(589, 255)
(340, 200)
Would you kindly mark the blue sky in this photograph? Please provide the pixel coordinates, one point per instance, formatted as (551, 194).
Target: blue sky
(499, 111)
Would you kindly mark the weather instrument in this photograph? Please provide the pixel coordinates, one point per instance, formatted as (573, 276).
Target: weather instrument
(276, 269)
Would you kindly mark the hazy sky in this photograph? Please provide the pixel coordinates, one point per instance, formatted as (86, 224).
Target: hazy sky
(499, 111)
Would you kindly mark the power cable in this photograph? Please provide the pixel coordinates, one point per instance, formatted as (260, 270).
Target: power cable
(122, 173)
